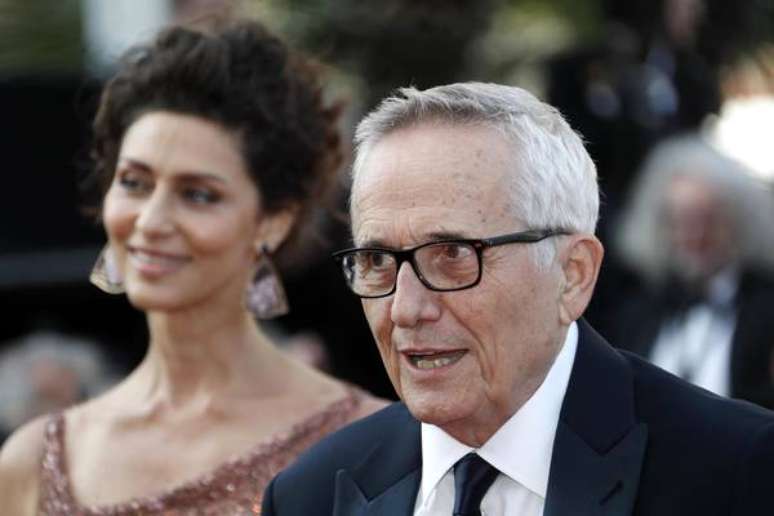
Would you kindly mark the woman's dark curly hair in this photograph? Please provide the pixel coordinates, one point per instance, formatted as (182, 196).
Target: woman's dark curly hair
(247, 80)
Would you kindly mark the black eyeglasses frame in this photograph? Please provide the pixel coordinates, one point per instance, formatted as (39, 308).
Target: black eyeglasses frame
(479, 244)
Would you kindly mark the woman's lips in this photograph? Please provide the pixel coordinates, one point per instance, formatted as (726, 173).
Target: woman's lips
(156, 263)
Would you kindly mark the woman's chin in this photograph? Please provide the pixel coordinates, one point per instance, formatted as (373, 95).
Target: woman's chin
(155, 301)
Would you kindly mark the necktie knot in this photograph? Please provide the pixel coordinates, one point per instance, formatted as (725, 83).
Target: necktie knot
(472, 478)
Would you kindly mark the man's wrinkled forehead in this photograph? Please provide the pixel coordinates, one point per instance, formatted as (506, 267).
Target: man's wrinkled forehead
(477, 150)
(447, 169)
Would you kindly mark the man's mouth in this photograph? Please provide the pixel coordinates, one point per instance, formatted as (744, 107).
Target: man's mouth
(434, 360)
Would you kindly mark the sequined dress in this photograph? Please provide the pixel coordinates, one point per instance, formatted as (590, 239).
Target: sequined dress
(234, 488)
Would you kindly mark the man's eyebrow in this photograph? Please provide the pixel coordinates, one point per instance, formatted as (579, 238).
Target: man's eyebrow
(372, 242)
(446, 235)
(436, 236)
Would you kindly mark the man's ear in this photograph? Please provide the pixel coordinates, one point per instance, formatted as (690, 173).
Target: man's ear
(274, 228)
(580, 260)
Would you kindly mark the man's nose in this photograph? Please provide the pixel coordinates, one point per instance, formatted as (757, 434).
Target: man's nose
(412, 302)
(155, 217)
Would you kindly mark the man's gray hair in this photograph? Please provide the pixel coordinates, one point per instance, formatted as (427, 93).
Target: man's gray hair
(641, 238)
(554, 179)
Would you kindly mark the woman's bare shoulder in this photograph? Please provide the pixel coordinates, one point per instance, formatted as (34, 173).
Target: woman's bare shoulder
(369, 404)
(20, 460)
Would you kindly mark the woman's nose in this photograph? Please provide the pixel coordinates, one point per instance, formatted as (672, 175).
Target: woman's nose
(156, 215)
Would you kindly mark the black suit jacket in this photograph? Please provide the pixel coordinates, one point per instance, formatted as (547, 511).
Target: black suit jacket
(632, 440)
(637, 325)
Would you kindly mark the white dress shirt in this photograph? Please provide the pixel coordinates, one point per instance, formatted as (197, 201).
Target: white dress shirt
(697, 346)
(521, 450)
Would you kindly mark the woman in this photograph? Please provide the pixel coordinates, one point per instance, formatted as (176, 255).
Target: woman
(212, 147)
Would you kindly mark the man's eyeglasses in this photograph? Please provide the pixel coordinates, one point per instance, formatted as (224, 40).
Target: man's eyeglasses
(443, 266)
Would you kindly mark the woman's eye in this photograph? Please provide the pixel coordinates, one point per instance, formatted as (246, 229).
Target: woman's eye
(133, 183)
(201, 195)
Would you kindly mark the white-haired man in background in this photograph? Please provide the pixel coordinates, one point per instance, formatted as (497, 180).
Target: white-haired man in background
(699, 231)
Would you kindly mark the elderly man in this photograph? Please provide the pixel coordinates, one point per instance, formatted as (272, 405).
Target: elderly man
(473, 212)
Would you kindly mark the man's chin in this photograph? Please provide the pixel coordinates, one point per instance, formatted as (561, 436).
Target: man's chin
(694, 273)
(438, 412)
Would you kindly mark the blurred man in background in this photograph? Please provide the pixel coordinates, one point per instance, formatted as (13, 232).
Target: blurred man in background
(700, 233)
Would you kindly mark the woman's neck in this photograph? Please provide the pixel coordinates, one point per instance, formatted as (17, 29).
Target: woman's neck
(196, 358)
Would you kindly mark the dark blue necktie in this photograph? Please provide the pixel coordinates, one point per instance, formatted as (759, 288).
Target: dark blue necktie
(472, 478)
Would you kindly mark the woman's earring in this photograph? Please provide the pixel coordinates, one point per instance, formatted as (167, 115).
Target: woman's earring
(266, 297)
(105, 274)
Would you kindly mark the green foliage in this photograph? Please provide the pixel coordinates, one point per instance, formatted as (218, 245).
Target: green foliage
(40, 36)
(389, 43)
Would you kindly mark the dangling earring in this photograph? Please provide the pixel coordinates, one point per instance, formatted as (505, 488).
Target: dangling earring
(105, 274)
(265, 296)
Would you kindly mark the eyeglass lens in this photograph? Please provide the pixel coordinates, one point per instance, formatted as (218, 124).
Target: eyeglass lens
(442, 266)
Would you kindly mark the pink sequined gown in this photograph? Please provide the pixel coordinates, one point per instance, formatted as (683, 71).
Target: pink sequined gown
(234, 488)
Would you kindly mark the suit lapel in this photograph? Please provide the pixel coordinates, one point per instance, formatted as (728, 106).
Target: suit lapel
(397, 499)
(599, 446)
(348, 500)
(386, 482)
(585, 482)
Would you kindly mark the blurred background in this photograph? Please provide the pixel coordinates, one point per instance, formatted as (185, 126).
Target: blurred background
(627, 74)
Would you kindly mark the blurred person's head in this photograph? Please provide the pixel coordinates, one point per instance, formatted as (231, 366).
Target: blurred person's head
(468, 327)
(46, 372)
(211, 146)
(692, 213)
(682, 19)
(699, 227)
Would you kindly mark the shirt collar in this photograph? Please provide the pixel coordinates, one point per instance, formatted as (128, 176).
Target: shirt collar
(523, 446)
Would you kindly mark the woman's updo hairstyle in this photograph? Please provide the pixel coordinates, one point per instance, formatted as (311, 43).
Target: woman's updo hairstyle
(244, 78)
